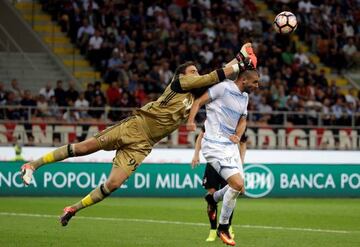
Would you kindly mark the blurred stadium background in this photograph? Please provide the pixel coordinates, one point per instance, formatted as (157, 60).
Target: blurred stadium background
(69, 68)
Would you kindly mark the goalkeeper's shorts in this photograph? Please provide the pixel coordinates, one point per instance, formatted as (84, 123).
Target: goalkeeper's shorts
(129, 141)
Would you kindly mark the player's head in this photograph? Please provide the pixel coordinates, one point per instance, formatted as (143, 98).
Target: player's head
(248, 80)
(188, 68)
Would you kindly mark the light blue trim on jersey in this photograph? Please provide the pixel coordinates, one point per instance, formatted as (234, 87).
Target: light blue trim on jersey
(234, 93)
(231, 113)
(226, 129)
(218, 142)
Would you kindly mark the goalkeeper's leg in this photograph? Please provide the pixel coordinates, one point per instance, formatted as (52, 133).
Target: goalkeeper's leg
(117, 177)
(71, 150)
(125, 163)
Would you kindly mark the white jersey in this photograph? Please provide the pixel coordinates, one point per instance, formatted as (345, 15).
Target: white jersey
(228, 104)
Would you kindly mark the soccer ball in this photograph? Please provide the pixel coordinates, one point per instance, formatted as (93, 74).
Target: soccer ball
(285, 22)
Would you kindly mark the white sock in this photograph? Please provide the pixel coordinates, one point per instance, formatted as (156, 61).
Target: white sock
(228, 205)
(219, 194)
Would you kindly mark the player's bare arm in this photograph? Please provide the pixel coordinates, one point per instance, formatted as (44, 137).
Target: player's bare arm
(198, 103)
(242, 150)
(240, 129)
(196, 159)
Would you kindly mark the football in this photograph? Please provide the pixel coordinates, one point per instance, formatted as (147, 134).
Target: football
(285, 22)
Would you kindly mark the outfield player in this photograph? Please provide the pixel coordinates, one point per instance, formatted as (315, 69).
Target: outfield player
(212, 182)
(134, 137)
(226, 111)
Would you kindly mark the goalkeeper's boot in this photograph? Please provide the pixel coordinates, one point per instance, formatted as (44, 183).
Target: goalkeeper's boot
(247, 51)
(212, 236)
(69, 212)
(211, 207)
(26, 173)
(224, 235)
(231, 231)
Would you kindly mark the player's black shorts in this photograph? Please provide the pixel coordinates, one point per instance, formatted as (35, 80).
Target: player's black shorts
(212, 179)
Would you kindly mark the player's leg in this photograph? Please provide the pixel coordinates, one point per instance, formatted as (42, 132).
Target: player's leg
(236, 184)
(231, 229)
(212, 215)
(212, 210)
(210, 182)
(217, 197)
(219, 194)
(70, 150)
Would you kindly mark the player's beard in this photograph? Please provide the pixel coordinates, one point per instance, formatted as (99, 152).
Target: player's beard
(247, 89)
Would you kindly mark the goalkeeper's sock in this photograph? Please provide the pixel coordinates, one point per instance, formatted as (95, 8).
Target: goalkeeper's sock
(95, 196)
(58, 154)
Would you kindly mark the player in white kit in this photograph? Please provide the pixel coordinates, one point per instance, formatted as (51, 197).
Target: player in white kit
(226, 111)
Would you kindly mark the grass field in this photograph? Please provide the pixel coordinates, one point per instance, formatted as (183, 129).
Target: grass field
(179, 222)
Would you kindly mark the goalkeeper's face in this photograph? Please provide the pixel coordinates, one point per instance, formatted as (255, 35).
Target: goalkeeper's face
(191, 70)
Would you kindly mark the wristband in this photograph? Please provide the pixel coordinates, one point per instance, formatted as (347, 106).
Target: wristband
(221, 74)
(239, 57)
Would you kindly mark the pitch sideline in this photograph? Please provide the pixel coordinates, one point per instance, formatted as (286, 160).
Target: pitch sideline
(179, 223)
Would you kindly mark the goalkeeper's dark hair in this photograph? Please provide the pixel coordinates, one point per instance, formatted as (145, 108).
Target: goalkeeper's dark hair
(182, 67)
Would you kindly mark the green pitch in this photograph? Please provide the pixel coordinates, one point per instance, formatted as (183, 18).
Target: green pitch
(179, 223)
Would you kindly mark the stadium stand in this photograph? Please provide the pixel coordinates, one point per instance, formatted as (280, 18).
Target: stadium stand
(22, 55)
(57, 41)
(135, 46)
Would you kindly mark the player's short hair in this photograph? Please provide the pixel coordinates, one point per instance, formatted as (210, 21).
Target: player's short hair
(182, 67)
(247, 73)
